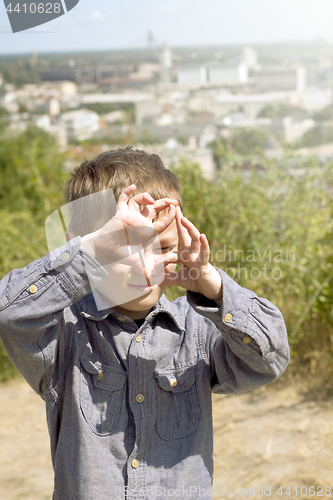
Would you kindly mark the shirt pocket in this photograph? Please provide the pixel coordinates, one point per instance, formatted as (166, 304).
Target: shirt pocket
(102, 390)
(178, 409)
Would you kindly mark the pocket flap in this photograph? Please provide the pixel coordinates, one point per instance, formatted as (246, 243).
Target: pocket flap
(104, 376)
(174, 381)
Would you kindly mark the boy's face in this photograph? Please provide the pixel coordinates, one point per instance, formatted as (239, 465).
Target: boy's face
(131, 285)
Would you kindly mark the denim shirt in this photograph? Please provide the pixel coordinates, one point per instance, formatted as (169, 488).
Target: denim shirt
(129, 409)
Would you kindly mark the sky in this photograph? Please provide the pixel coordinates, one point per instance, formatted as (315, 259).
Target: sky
(122, 24)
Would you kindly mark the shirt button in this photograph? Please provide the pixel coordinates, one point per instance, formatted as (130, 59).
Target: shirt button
(100, 375)
(138, 337)
(65, 256)
(135, 463)
(32, 288)
(121, 319)
(173, 382)
(228, 318)
(140, 398)
(246, 340)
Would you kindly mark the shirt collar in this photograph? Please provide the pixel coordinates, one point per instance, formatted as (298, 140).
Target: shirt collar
(89, 310)
(165, 306)
(89, 307)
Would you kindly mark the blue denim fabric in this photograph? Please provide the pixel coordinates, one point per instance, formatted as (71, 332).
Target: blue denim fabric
(131, 417)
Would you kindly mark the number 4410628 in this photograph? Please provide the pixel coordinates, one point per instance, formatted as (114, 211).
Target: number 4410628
(303, 491)
(32, 8)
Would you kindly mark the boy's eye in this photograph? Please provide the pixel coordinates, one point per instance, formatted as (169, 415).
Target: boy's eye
(159, 250)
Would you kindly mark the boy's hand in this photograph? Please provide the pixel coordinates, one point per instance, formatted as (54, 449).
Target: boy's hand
(196, 274)
(130, 227)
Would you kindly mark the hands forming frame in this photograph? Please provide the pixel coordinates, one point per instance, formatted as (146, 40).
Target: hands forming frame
(138, 224)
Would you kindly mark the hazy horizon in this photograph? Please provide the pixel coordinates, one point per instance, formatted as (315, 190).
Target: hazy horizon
(124, 25)
(172, 47)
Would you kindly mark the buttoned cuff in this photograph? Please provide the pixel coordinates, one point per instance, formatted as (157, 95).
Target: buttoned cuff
(234, 318)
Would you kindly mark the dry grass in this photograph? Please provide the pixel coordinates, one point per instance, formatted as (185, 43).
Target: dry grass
(274, 436)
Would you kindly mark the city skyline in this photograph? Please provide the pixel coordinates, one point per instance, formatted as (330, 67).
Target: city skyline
(125, 25)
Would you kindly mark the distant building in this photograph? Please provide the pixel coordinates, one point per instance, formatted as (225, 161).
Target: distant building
(294, 129)
(318, 71)
(228, 75)
(241, 120)
(114, 116)
(187, 133)
(117, 98)
(322, 151)
(43, 121)
(146, 111)
(205, 159)
(250, 104)
(313, 72)
(57, 130)
(8, 101)
(250, 57)
(58, 73)
(68, 89)
(166, 63)
(192, 75)
(219, 74)
(80, 124)
(54, 107)
(281, 78)
(208, 135)
(146, 72)
(314, 99)
(221, 102)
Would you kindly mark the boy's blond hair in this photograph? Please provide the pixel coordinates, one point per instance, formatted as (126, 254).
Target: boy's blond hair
(119, 168)
(116, 169)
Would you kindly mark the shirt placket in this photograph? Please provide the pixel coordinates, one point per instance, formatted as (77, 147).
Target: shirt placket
(140, 399)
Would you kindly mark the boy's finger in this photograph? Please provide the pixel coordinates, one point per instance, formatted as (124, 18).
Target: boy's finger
(192, 230)
(161, 224)
(194, 235)
(124, 195)
(204, 249)
(140, 199)
(130, 189)
(159, 205)
(172, 279)
(168, 258)
(163, 203)
(184, 237)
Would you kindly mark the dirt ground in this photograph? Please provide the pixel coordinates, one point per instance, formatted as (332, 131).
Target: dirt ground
(265, 439)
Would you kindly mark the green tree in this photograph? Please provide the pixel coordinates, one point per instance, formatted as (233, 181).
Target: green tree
(247, 141)
(242, 141)
(31, 179)
(315, 136)
(277, 111)
(271, 230)
(31, 171)
(324, 114)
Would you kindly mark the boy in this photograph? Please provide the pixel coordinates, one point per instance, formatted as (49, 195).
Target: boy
(127, 375)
